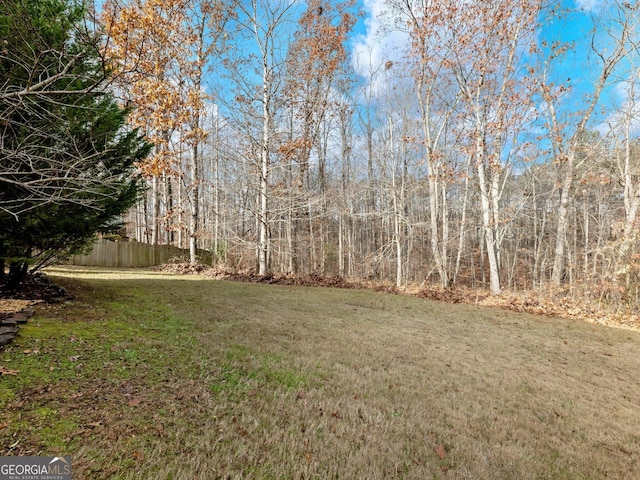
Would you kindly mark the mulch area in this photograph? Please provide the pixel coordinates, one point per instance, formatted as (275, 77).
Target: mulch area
(16, 306)
(37, 289)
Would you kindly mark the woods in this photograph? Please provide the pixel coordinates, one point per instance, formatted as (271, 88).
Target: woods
(488, 148)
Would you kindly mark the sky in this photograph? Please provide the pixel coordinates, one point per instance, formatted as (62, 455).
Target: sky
(372, 48)
(370, 44)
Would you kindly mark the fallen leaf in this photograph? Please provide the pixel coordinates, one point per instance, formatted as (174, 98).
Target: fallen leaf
(74, 358)
(441, 452)
(3, 426)
(8, 371)
(301, 394)
(134, 402)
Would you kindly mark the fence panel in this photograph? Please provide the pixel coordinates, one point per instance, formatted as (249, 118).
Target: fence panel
(107, 253)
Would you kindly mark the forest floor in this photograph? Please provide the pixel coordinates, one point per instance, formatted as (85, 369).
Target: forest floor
(155, 375)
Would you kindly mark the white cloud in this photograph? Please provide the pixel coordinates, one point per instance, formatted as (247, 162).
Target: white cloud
(373, 49)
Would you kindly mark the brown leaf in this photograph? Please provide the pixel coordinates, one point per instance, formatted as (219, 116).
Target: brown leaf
(8, 371)
(134, 402)
(441, 452)
(3, 426)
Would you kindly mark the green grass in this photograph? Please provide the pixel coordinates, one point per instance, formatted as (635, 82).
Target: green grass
(148, 375)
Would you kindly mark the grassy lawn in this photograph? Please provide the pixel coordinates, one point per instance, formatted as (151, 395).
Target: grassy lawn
(154, 376)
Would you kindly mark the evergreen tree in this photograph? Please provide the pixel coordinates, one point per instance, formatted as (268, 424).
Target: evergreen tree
(66, 156)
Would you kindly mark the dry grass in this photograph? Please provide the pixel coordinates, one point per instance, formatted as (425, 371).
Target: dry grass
(187, 378)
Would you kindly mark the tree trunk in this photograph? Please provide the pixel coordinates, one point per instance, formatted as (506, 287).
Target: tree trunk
(155, 208)
(487, 219)
(17, 275)
(563, 222)
(463, 223)
(631, 203)
(195, 205)
(263, 212)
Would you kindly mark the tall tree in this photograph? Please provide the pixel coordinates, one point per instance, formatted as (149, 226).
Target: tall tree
(609, 43)
(314, 60)
(480, 47)
(163, 51)
(256, 71)
(145, 40)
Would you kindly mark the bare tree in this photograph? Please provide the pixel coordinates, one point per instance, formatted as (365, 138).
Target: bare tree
(616, 24)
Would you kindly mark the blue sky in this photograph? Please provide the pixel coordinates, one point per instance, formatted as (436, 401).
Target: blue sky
(579, 65)
(368, 39)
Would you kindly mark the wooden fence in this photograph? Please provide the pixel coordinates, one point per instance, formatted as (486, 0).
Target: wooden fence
(107, 253)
